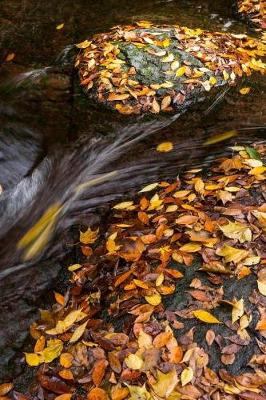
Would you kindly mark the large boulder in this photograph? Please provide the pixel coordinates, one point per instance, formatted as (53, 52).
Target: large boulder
(151, 68)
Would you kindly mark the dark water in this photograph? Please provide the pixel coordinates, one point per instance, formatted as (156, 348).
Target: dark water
(49, 131)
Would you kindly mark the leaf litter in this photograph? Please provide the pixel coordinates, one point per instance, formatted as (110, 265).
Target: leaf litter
(120, 334)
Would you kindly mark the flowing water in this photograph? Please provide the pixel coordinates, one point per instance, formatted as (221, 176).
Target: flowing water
(52, 140)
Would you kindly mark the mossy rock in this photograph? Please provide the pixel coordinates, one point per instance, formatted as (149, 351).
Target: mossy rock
(151, 68)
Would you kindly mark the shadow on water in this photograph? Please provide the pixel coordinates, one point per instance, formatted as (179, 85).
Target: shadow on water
(52, 139)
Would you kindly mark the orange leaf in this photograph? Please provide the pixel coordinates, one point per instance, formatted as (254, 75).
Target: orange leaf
(66, 360)
(186, 219)
(162, 339)
(121, 278)
(5, 388)
(176, 355)
(66, 374)
(174, 273)
(97, 394)
(99, 371)
(261, 325)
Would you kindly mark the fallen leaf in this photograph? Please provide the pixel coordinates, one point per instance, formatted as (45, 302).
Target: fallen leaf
(205, 316)
(165, 147)
(88, 236)
(134, 362)
(238, 231)
(186, 376)
(165, 383)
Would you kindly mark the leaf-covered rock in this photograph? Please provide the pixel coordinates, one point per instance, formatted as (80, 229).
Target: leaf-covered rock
(151, 68)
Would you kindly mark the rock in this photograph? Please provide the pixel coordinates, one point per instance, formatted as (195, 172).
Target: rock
(151, 68)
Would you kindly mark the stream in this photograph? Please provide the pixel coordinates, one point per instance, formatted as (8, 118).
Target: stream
(52, 139)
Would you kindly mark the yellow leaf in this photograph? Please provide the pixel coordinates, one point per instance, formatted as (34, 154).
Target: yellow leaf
(257, 170)
(220, 137)
(205, 316)
(111, 245)
(125, 205)
(60, 26)
(139, 393)
(149, 188)
(238, 310)
(63, 326)
(78, 333)
(83, 45)
(144, 340)
(199, 185)
(134, 362)
(74, 267)
(159, 279)
(180, 71)
(213, 80)
(32, 359)
(164, 147)
(238, 231)
(165, 383)
(53, 350)
(88, 236)
(190, 247)
(186, 376)
(155, 203)
(38, 236)
(154, 299)
(232, 254)
(262, 288)
(244, 90)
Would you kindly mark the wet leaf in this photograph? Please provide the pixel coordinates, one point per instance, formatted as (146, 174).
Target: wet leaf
(65, 325)
(186, 376)
(78, 333)
(238, 310)
(89, 236)
(205, 316)
(66, 360)
(154, 299)
(134, 362)
(60, 26)
(232, 254)
(238, 231)
(5, 388)
(165, 383)
(220, 137)
(97, 394)
(244, 90)
(165, 147)
(149, 188)
(98, 371)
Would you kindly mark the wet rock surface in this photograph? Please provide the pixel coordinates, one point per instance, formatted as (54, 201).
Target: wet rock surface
(151, 68)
